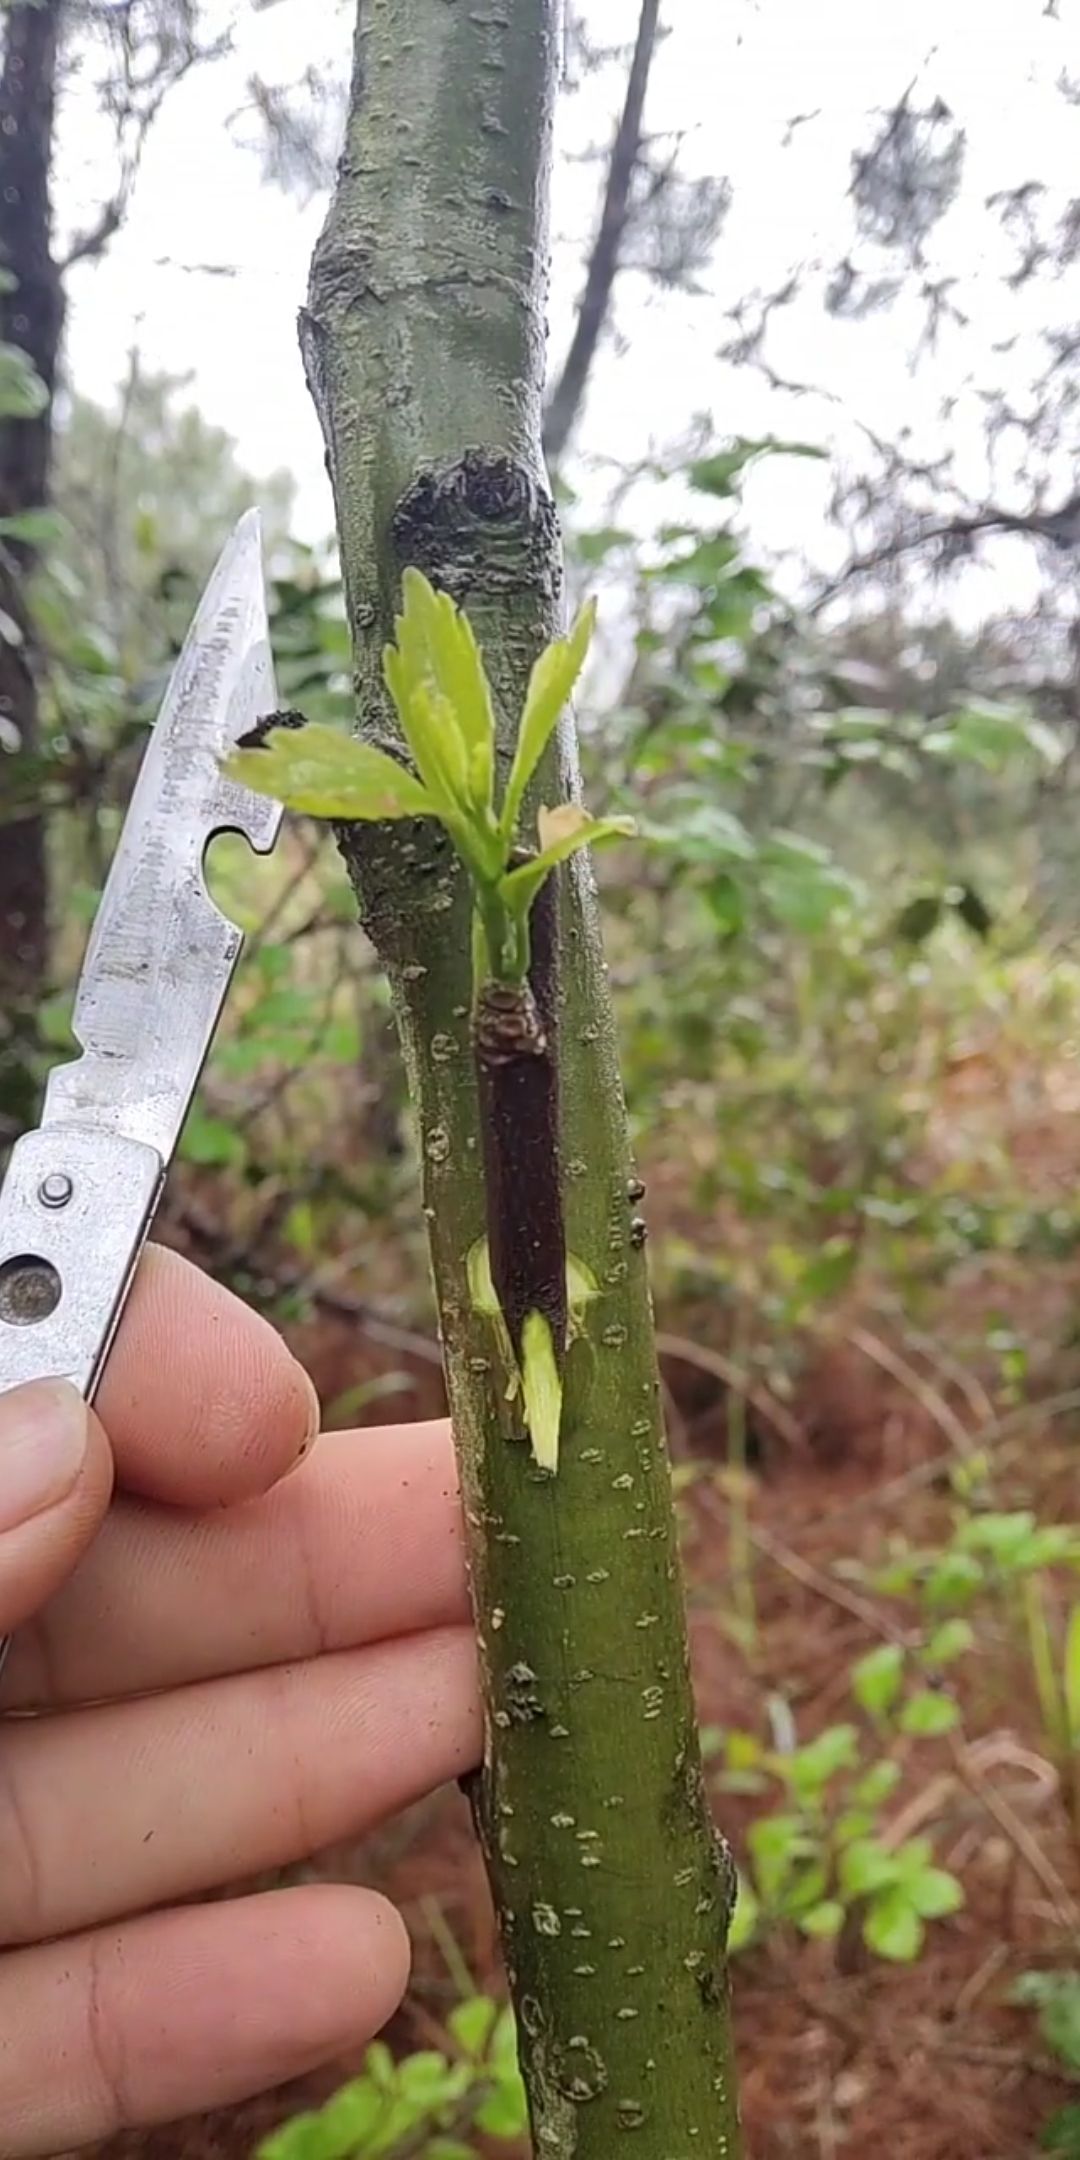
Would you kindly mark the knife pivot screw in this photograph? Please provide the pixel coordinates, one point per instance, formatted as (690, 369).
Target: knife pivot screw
(55, 1190)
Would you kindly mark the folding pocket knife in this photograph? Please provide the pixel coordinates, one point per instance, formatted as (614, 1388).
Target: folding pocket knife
(81, 1190)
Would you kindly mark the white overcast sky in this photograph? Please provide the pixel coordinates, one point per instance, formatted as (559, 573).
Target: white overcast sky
(731, 74)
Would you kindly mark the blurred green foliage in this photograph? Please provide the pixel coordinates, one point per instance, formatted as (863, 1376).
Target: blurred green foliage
(1055, 1997)
(425, 2106)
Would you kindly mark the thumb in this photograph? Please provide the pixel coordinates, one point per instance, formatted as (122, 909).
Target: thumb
(55, 1483)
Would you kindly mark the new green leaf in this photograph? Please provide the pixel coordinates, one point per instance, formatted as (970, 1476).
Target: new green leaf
(322, 773)
(562, 833)
(550, 687)
(436, 678)
(437, 637)
(429, 725)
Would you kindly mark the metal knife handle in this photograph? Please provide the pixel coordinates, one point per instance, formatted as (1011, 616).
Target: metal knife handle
(75, 1208)
(74, 1212)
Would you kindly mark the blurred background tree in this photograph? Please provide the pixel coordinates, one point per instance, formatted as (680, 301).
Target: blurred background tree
(147, 494)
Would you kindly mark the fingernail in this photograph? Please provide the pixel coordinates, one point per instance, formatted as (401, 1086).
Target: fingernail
(42, 1446)
(314, 1420)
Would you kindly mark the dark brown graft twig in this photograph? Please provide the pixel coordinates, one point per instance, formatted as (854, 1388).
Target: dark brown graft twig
(517, 1065)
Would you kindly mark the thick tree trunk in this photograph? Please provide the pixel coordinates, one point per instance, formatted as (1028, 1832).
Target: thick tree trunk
(424, 348)
(33, 315)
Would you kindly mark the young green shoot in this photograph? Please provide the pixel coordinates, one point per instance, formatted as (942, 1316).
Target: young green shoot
(436, 678)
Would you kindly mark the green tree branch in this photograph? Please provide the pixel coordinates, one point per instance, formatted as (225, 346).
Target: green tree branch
(423, 342)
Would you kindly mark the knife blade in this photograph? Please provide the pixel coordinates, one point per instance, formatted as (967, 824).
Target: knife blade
(81, 1190)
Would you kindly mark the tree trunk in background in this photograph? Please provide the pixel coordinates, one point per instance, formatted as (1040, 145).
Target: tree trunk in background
(566, 399)
(33, 316)
(424, 349)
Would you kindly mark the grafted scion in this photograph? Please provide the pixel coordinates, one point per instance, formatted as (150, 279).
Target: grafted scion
(516, 1039)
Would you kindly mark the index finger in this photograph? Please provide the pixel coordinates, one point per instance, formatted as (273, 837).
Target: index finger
(203, 1403)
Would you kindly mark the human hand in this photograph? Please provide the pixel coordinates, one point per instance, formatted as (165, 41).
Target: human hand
(249, 1661)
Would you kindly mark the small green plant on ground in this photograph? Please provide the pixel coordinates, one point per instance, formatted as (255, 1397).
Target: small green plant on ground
(425, 2107)
(1004, 1561)
(1056, 1998)
(825, 1858)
